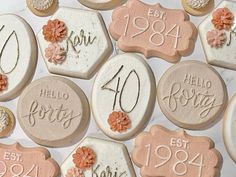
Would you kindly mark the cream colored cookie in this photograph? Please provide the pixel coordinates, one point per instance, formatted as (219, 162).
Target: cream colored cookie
(198, 7)
(42, 8)
(7, 122)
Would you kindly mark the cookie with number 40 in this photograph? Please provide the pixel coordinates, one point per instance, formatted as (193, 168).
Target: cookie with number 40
(123, 96)
(165, 153)
(153, 30)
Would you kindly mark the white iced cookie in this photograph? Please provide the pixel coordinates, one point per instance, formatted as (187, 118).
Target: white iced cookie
(198, 7)
(18, 55)
(7, 122)
(229, 128)
(102, 4)
(75, 43)
(42, 4)
(4, 120)
(197, 4)
(98, 158)
(123, 96)
(217, 34)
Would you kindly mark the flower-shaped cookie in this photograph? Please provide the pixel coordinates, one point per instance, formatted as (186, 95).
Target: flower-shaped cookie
(216, 38)
(74, 172)
(165, 153)
(119, 121)
(55, 53)
(84, 158)
(3, 82)
(54, 31)
(222, 18)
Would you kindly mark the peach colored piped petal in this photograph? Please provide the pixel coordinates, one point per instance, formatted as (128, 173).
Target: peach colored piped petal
(84, 158)
(223, 18)
(55, 53)
(3, 82)
(75, 172)
(119, 121)
(216, 38)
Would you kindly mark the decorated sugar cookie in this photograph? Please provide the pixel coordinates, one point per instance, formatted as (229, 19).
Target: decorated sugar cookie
(102, 4)
(123, 96)
(198, 7)
(53, 111)
(72, 46)
(16, 160)
(153, 30)
(97, 158)
(42, 7)
(18, 55)
(217, 33)
(229, 128)
(164, 153)
(192, 95)
(7, 122)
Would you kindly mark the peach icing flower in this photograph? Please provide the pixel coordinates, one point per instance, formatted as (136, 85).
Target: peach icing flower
(216, 38)
(3, 82)
(55, 53)
(54, 31)
(74, 172)
(84, 158)
(119, 121)
(223, 18)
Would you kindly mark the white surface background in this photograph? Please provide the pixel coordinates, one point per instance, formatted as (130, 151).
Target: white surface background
(159, 66)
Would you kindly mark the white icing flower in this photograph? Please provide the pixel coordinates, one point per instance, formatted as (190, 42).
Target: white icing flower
(42, 4)
(197, 4)
(4, 120)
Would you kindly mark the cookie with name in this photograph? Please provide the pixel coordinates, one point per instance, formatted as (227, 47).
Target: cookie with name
(217, 34)
(153, 30)
(16, 160)
(164, 153)
(192, 95)
(18, 55)
(102, 4)
(198, 7)
(7, 122)
(123, 96)
(75, 43)
(98, 158)
(53, 111)
(229, 127)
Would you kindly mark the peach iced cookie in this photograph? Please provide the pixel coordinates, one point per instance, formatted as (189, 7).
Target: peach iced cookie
(16, 160)
(217, 34)
(164, 153)
(192, 95)
(18, 55)
(53, 111)
(75, 43)
(102, 4)
(153, 30)
(123, 96)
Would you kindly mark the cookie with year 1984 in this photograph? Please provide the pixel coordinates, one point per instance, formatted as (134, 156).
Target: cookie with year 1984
(192, 95)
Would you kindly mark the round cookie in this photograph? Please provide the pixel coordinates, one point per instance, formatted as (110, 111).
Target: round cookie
(42, 8)
(7, 122)
(229, 126)
(53, 111)
(102, 4)
(123, 96)
(192, 95)
(18, 55)
(198, 7)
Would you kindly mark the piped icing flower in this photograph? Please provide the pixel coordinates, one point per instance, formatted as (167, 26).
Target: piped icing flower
(216, 38)
(55, 53)
(223, 18)
(41, 4)
(3, 82)
(4, 120)
(198, 4)
(74, 172)
(54, 31)
(119, 121)
(84, 158)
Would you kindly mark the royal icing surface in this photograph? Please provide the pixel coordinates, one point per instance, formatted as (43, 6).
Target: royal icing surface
(153, 30)
(17, 42)
(198, 4)
(102, 4)
(53, 111)
(222, 18)
(163, 153)
(18, 161)
(192, 95)
(112, 159)
(86, 43)
(4, 120)
(123, 96)
(41, 4)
